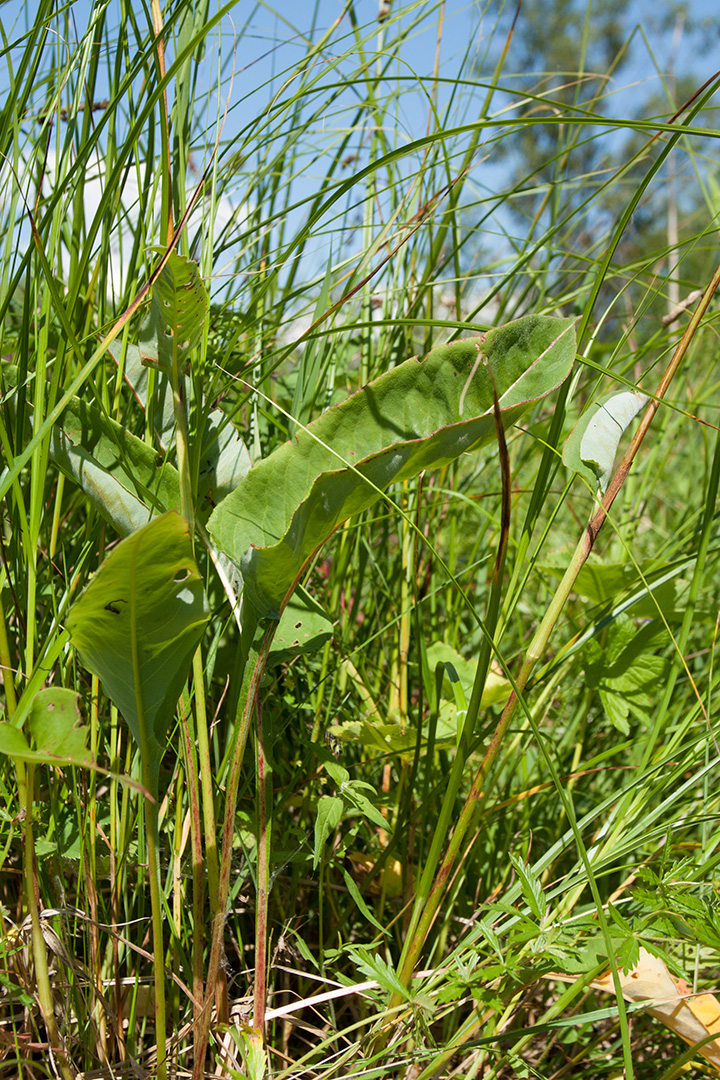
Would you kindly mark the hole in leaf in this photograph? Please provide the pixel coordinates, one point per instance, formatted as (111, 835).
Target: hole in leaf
(113, 606)
(298, 624)
(182, 574)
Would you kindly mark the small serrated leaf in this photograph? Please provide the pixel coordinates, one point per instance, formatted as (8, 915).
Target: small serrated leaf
(490, 936)
(378, 969)
(531, 887)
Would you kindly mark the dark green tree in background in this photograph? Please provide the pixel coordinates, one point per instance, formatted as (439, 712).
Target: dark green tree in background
(591, 90)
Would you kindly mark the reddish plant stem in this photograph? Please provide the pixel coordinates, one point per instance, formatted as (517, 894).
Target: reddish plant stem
(539, 642)
(233, 784)
(264, 791)
(193, 788)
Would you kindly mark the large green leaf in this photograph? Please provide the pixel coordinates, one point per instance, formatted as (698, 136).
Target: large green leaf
(137, 625)
(124, 478)
(627, 671)
(420, 415)
(57, 736)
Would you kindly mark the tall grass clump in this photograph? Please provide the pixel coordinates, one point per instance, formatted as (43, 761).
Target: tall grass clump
(358, 709)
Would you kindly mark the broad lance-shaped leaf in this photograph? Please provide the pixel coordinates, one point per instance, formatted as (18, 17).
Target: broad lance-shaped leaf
(593, 443)
(124, 478)
(421, 415)
(177, 314)
(136, 627)
(128, 482)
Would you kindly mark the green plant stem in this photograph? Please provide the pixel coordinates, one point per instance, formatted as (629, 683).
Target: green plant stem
(152, 839)
(210, 866)
(421, 926)
(152, 834)
(264, 797)
(187, 509)
(206, 780)
(419, 923)
(6, 668)
(42, 977)
(251, 676)
(187, 503)
(198, 868)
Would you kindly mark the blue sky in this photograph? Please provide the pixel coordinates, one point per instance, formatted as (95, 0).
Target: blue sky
(269, 39)
(263, 43)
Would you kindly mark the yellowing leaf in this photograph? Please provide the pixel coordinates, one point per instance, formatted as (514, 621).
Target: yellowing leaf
(706, 1009)
(390, 878)
(651, 982)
